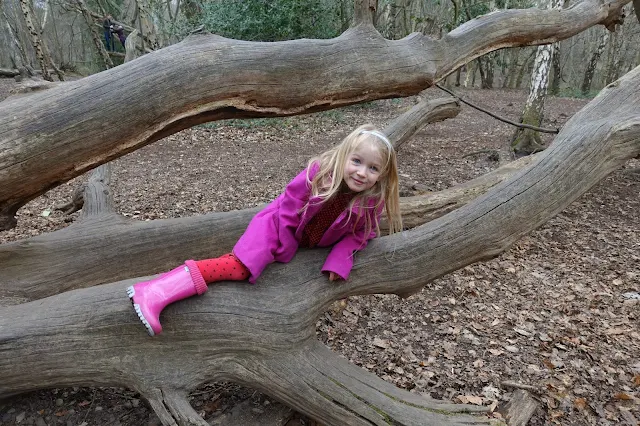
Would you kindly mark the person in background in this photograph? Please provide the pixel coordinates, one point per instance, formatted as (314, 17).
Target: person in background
(107, 26)
(119, 31)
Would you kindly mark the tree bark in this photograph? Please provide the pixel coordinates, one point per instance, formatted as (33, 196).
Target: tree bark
(89, 261)
(9, 72)
(525, 66)
(614, 60)
(527, 141)
(96, 119)
(36, 41)
(146, 24)
(264, 335)
(21, 60)
(97, 41)
(557, 69)
(591, 67)
(554, 87)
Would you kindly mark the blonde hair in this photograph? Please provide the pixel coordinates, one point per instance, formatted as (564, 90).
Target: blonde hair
(329, 179)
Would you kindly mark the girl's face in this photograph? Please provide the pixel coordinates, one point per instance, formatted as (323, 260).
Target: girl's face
(363, 167)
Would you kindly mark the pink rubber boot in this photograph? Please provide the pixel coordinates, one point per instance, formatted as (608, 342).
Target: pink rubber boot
(149, 298)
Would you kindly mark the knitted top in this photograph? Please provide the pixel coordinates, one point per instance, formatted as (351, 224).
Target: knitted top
(313, 232)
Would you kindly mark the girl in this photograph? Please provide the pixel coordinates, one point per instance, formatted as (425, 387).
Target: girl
(336, 201)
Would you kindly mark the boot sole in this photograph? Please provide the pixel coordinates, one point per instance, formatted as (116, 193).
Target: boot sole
(131, 292)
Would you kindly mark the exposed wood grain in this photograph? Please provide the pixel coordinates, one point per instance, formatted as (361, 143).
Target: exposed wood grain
(520, 408)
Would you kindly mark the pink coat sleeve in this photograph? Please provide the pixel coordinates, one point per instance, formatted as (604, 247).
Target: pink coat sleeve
(295, 196)
(340, 258)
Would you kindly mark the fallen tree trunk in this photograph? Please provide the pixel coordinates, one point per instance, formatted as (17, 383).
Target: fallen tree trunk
(89, 261)
(51, 137)
(264, 335)
(9, 72)
(88, 248)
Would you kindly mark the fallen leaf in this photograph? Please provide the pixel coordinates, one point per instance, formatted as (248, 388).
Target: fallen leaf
(615, 331)
(556, 414)
(380, 343)
(623, 396)
(470, 399)
(580, 403)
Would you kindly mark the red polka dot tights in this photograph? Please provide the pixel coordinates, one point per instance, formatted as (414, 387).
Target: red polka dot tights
(224, 268)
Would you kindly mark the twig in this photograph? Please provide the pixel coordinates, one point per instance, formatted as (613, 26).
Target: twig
(516, 385)
(93, 398)
(122, 416)
(497, 117)
(482, 151)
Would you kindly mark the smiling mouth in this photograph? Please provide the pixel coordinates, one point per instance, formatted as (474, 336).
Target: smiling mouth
(359, 182)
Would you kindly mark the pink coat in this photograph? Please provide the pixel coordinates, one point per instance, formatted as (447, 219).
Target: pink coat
(275, 232)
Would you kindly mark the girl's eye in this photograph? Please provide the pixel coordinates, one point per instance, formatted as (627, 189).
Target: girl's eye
(374, 169)
(355, 161)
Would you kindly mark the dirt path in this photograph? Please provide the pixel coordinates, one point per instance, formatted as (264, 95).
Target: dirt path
(550, 312)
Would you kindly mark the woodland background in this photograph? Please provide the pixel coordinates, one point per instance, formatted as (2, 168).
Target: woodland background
(68, 29)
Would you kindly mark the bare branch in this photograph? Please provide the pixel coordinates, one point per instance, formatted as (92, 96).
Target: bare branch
(497, 117)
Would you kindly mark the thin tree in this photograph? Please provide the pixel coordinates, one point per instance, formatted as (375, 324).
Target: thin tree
(527, 141)
(36, 40)
(589, 72)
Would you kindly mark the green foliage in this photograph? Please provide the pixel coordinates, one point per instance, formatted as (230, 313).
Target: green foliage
(272, 20)
(478, 9)
(570, 92)
(334, 115)
(252, 123)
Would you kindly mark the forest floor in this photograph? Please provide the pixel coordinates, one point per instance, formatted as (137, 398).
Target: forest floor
(558, 311)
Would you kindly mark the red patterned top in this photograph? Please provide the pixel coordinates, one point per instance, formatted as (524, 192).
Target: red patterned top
(313, 232)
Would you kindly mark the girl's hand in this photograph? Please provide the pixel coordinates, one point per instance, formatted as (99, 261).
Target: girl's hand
(334, 277)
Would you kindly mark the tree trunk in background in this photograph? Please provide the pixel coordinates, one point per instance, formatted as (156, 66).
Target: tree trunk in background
(388, 18)
(146, 26)
(19, 55)
(617, 60)
(36, 41)
(471, 70)
(35, 29)
(615, 43)
(555, 63)
(97, 41)
(527, 141)
(489, 62)
(483, 79)
(554, 88)
(45, 48)
(517, 84)
(512, 68)
(593, 62)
